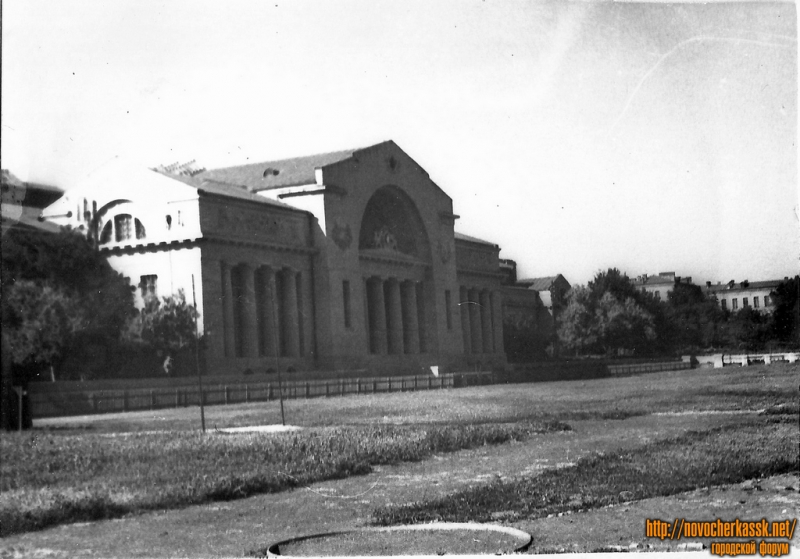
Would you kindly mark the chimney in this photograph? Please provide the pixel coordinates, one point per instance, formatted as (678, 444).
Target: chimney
(708, 285)
(731, 284)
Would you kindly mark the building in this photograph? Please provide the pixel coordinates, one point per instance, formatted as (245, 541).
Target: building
(737, 296)
(22, 203)
(552, 291)
(341, 260)
(659, 285)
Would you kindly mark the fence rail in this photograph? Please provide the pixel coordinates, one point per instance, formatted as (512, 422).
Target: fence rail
(634, 368)
(87, 402)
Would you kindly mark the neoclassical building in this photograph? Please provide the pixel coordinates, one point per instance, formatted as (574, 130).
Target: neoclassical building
(342, 260)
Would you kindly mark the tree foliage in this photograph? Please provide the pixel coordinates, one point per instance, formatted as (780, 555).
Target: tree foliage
(168, 325)
(786, 316)
(59, 293)
(606, 316)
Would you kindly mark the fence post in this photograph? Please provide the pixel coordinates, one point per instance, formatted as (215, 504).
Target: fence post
(227, 395)
(308, 389)
(358, 386)
(124, 400)
(177, 398)
(246, 393)
(94, 402)
(152, 400)
(415, 383)
(374, 385)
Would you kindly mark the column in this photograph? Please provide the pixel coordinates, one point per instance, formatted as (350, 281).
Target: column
(367, 323)
(227, 310)
(408, 300)
(377, 316)
(475, 321)
(290, 326)
(249, 315)
(301, 332)
(269, 316)
(497, 323)
(486, 322)
(463, 308)
(394, 316)
(422, 320)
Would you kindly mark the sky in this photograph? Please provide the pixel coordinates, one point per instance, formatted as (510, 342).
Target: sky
(578, 136)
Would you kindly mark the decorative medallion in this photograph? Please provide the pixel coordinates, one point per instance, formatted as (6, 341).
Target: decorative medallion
(342, 236)
(392, 163)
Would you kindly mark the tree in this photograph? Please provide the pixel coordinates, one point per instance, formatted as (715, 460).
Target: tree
(695, 320)
(167, 325)
(786, 316)
(59, 294)
(609, 315)
(577, 328)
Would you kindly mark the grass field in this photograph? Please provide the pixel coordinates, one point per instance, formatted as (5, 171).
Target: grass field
(90, 467)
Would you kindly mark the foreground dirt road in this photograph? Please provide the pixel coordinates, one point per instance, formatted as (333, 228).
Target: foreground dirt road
(232, 529)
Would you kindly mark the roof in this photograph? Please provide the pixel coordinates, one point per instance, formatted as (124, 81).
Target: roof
(656, 280)
(25, 217)
(222, 189)
(268, 175)
(31, 194)
(538, 284)
(766, 284)
(462, 237)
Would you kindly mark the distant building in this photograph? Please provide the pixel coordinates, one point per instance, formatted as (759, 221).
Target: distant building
(552, 291)
(734, 296)
(659, 285)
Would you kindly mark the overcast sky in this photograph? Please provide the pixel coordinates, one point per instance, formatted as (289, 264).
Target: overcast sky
(577, 136)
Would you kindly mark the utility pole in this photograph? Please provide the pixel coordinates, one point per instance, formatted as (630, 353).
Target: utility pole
(197, 360)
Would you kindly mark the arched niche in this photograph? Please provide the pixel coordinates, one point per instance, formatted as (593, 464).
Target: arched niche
(391, 224)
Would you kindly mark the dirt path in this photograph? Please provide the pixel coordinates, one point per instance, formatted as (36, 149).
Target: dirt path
(232, 528)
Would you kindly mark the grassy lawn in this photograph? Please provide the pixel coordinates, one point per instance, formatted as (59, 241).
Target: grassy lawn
(83, 468)
(760, 447)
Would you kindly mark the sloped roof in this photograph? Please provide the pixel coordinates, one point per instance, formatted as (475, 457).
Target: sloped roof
(219, 188)
(462, 237)
(25, 217)
(267, 175)
(538, 284)
(767, 284)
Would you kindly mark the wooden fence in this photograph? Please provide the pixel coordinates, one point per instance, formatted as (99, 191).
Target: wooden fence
(86, 402)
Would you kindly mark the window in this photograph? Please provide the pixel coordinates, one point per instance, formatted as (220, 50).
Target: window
(724, 303)
(744, 302)
(122, 227)
(448, 314)
(140, 233)
(346, 301)
(735, 303)
(658, 295)
(755, 302)
(767, 301)
(149, 286)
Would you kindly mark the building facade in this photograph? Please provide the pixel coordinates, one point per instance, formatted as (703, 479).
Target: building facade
(344, 260)
(734, 296)
(659, 285)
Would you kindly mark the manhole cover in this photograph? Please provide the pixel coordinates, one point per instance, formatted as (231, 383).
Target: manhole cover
(440, 538)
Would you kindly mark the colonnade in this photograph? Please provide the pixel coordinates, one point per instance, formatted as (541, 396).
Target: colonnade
(481, 320)
(394, 315)
(262, 311)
